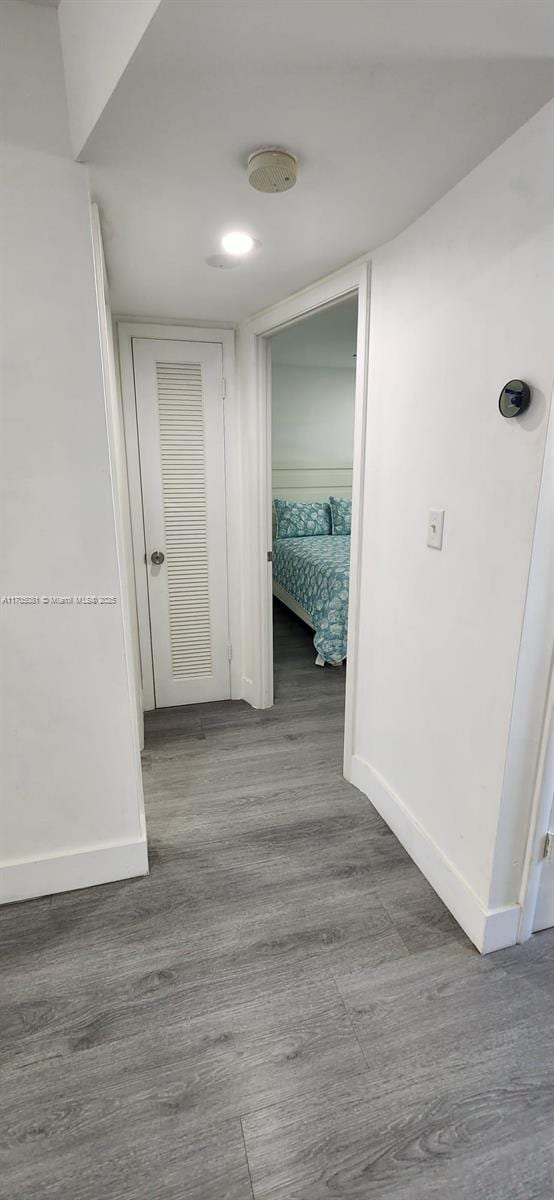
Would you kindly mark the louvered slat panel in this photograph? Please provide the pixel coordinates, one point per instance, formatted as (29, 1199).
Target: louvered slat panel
(183, 463)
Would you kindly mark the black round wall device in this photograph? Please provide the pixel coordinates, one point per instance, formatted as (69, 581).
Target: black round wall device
(515, 397)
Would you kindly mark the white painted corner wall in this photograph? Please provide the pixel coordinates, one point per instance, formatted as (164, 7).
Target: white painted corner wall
(461, 303)
(33, 110)
(98, 38)
(72, 808)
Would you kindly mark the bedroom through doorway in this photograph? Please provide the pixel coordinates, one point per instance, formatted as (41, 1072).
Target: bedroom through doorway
(313, 388)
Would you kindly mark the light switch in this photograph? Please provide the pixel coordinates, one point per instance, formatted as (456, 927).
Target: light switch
(435, 527)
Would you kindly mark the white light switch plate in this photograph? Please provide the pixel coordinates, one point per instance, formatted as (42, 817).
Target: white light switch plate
(435, 526)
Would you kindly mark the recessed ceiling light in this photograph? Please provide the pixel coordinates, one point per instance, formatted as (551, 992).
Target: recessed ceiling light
(237, 243)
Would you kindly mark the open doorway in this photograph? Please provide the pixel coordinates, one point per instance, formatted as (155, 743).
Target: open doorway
(313, 392)
(255, 341)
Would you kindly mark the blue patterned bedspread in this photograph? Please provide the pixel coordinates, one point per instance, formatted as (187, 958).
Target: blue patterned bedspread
(314, 571)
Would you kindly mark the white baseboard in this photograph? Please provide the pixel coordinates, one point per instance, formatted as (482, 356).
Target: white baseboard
(68, 872)
(488, 929)
(501, 928)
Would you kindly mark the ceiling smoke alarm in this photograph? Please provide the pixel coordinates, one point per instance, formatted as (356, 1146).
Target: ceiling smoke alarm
(272, 170)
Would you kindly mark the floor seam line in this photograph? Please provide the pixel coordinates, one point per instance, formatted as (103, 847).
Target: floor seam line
(396, 926)
(264, 1108)
(247, 1158)
(350, 1022)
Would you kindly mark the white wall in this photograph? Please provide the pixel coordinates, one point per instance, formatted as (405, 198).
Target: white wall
(461, 302)
(312, 415)
(99, 37)
(71, 795)
(33, 109)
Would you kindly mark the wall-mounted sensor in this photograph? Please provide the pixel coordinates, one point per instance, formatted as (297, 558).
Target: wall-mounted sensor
(515, 397)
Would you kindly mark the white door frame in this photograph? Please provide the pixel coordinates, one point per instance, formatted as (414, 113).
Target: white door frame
(120, 513)
(533, 710)
(127, 330)
(540, 817)
(256, 400)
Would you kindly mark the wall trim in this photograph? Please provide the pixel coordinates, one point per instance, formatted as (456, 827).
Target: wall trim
(68, 872)
(488, 928)
(310, 483)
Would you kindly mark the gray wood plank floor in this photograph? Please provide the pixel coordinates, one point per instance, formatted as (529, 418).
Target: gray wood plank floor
(283, 1010)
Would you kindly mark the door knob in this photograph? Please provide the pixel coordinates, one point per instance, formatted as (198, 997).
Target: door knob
(157, 558)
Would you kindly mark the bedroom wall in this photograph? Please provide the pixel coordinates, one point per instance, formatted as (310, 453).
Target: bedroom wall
(461, 302)
(71, 792)
(312, 415)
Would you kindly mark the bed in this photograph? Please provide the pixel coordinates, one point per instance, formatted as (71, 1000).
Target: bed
(310, 576)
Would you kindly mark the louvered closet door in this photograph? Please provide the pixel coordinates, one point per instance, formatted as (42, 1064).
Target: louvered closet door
(182, 457)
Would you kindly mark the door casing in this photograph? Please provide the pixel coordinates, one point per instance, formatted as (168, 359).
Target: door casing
(126, 331)
(256, 401)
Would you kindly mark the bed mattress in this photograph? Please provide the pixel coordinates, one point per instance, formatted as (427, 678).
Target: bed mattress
(314, 571)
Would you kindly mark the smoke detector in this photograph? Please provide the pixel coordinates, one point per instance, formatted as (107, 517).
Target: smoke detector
(272, 170)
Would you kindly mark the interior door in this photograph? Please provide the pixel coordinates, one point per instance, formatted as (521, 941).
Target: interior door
(180, 421)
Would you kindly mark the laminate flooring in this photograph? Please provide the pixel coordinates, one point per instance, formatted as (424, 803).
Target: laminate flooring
(283, 1010)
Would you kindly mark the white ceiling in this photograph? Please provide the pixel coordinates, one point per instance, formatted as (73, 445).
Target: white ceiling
(387, 105)
(326, 339)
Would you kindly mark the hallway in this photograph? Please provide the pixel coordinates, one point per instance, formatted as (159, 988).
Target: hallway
(283, 1010)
